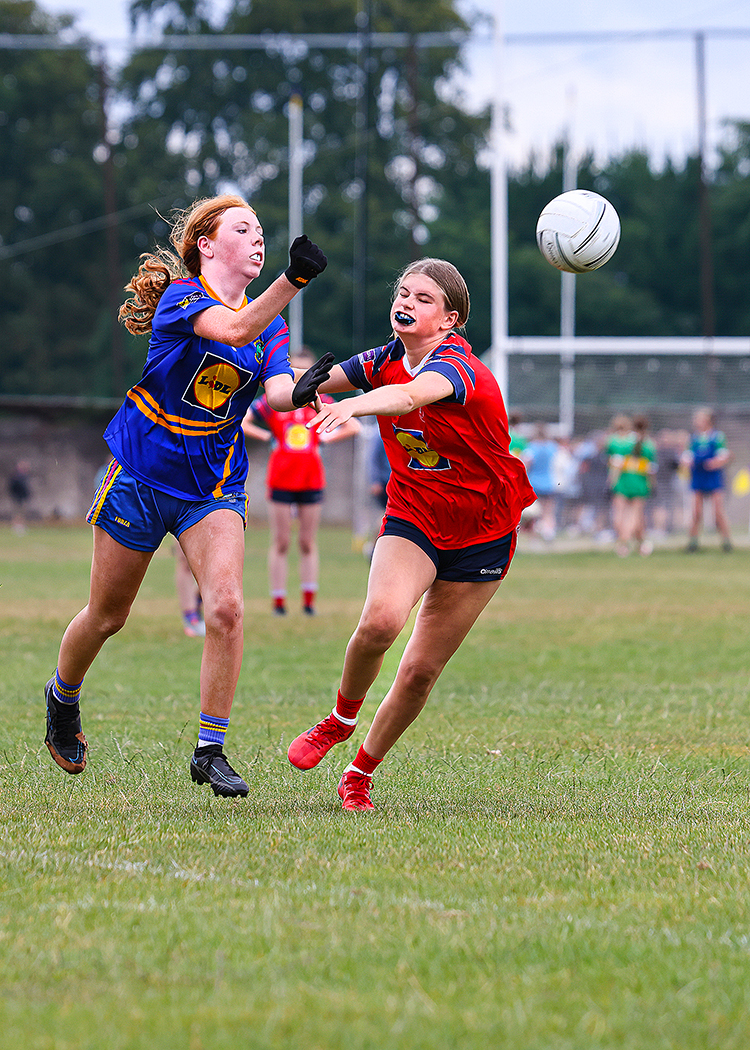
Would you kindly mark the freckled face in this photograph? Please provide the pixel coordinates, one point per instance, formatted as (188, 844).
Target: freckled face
(238, 243)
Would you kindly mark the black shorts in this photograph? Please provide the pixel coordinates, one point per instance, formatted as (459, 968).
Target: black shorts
(295, 496)
(477, 563)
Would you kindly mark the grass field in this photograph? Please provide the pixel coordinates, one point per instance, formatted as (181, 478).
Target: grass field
(559, 858)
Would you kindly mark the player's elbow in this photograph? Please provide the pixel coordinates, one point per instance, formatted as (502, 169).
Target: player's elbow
(405, 403)
(279, 396)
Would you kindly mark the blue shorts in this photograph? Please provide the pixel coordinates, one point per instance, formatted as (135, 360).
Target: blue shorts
(707, 481)
(139, 517)
(477, 563)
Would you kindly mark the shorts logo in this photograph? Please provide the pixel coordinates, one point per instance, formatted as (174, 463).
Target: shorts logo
(194, 297)
(422, 456)
(214, 384)
(490, 572)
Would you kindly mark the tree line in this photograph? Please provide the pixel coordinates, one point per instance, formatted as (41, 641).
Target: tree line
(92, 163)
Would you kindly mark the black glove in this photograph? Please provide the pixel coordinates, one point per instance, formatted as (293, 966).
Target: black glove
(307, 261)
(306, 387)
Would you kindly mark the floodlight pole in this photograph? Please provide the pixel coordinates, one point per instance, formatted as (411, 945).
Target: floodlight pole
(499, 214)
(568, 298)
(295, 210)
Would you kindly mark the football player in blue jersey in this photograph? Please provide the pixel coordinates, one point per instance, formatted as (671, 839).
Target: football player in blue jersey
(707, 455)
(179, 461)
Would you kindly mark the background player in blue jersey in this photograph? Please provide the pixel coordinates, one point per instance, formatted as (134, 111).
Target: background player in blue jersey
(179, 460)
(707, 455)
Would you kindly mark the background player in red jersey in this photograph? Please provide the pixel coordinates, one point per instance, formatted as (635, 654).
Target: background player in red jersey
(455, 498)
(295, 486)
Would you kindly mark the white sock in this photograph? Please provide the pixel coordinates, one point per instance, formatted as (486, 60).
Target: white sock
(351, 768)
(340, 718)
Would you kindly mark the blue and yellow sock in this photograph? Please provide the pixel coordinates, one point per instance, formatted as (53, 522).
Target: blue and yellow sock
(64, 693)
(212, 730)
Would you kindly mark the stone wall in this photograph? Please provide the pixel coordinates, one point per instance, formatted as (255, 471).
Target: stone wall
(65, 458)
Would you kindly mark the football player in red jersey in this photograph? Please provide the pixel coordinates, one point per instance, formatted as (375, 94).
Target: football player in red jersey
(295, 483)
(455, 498)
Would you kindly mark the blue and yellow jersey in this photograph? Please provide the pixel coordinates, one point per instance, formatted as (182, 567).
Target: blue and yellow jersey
(179, 429)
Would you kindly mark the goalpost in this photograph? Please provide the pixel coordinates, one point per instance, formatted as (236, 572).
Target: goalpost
(575, 386)
(578, 382)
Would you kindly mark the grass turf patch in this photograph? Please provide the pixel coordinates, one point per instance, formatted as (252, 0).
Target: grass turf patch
(558, 857)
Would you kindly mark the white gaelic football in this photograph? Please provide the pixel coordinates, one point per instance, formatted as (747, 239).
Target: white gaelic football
(578, 231)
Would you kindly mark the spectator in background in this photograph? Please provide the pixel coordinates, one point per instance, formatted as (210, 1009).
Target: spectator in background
(667, 504)
(567, 487)
(19, 490)
(379, 469)
(617, 447)
(707, 455)
(539, 457)
(295, 487)
(633, 470)
(592, 459)
(518, 442)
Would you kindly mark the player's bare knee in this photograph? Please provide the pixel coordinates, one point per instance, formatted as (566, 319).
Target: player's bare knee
(418, 677)
(378, 633)
(225, 613)
(109, 621)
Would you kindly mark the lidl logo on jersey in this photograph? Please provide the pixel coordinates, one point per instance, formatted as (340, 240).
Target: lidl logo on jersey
(214, 384)
(422, 456)
(297, 437)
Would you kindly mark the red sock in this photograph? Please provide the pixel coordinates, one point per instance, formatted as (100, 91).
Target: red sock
(366, 763)
(278, 603)
(347, 708)
(308, 599)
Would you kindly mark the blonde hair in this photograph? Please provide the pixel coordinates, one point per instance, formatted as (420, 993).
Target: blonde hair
(160, 267)
(449, 281)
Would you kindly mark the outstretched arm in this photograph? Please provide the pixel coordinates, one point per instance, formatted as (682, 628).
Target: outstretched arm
(396, 400)
(239, 327)
(284, 393)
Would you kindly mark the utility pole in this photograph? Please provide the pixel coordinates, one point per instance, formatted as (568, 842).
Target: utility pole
(708, 311)
(499, 213)
(361, 164)
(113, 276)
(295, 210)
(412, 75)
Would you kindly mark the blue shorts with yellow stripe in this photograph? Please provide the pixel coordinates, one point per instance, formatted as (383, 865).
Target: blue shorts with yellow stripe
(139, 517)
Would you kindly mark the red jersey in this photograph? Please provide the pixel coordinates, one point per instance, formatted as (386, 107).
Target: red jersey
(452, 472)
(294, 463)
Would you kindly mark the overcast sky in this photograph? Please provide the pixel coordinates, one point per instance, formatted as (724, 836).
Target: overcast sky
(613, 94)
